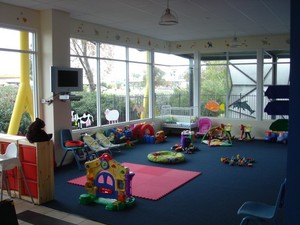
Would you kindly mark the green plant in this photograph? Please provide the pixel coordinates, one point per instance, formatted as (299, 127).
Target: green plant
(8, 95)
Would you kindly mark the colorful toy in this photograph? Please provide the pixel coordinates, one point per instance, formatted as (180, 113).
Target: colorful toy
(245, 133)
(282, 137)
(227, 127)
(217, 136)
(238, 161)
(168, 157)
(278, 132)
(187, 134)
(160, 137)
(108, 183)
(149, 139)
(119, 135)
(204, 124)
(270, 136)
(188, 147)
(142, 129)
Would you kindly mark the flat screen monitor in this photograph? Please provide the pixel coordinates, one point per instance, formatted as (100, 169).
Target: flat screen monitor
(66, 79)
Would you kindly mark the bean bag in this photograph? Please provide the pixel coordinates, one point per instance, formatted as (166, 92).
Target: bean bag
(166, 157)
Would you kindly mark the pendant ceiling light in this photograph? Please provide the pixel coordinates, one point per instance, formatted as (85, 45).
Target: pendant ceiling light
(168, 17)
(235, 42)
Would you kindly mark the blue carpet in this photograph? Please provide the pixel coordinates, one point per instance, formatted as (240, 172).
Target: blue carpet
(212, 200)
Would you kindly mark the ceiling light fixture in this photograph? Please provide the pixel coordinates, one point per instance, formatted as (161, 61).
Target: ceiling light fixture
(168, 17)
(235, 42)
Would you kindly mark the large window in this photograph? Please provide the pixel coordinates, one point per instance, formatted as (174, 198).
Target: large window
(230, 83)
(213, 85)
(243, 88)
(172, 80)
(17, 57)
(116, 80)
(139, 71)
(276, 72)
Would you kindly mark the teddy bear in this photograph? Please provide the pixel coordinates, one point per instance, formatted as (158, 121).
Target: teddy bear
(36, 132)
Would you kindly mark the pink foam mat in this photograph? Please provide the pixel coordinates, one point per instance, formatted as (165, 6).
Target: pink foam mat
(152, 182)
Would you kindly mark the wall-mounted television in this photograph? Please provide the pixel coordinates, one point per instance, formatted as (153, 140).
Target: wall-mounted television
(66, 79)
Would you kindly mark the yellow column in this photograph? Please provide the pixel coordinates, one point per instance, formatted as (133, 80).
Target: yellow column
(145, 112)
(24, 99)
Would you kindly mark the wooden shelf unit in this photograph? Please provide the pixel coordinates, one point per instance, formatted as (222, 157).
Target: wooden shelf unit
(38, 166)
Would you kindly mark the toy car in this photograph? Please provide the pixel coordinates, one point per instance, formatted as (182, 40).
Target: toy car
(271, 136)
(282, 137)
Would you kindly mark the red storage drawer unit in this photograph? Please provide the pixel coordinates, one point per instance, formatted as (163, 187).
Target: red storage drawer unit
(13, 179)
(38, 167)
(30, 171)
(33, 187)
(27, 153)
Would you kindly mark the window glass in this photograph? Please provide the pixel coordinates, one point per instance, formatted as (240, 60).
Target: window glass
(172, 76)
(17, 61)
(138, 55)
(213, 85)
(276, 72)
(112, 52)
(115, 88)
(139, 90)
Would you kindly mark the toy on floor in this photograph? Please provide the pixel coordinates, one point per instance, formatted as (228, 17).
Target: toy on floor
(246, 133)
(238, 161)
(270, 136)
(168, 157)
(160, 137)
(119, 135)
(227, 127)
(187, 134)
(108, 183)
(189, 149)
(283, 137)
(186, 146)
(217, 136)
(142, 129)
(278, 132)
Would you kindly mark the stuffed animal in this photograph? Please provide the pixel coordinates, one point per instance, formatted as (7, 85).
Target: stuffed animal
(36, 132)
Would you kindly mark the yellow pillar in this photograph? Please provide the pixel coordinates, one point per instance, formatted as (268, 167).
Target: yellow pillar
(24, 99)
(145, 112)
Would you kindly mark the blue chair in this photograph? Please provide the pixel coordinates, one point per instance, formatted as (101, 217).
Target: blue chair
(258, 211)
(65, 135)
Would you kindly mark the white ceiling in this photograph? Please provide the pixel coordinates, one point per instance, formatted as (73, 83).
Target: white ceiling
(198, 19)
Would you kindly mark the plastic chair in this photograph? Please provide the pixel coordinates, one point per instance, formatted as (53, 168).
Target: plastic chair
(262, 212)
(9, 161)
(105, 142)
(65, 135)
(94, 146)
(204, 124)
